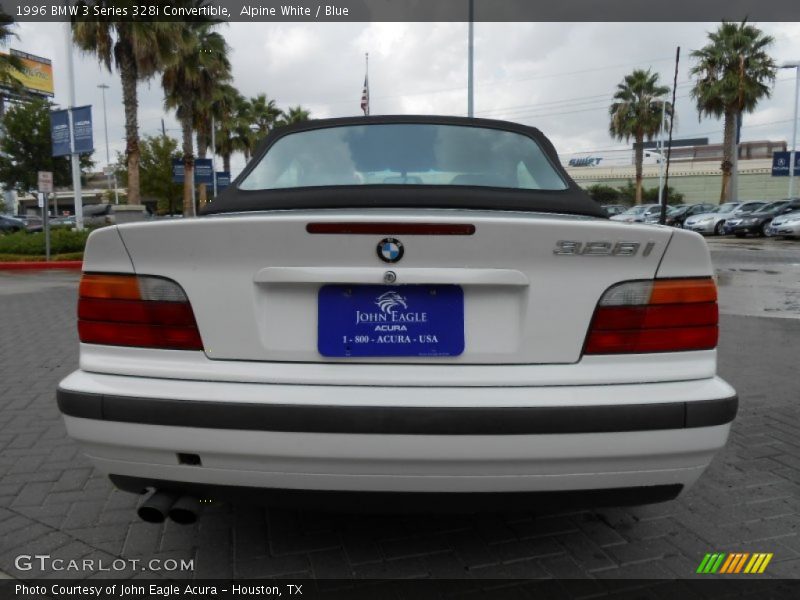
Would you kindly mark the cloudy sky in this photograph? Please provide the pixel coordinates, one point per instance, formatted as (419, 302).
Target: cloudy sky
(556, 76)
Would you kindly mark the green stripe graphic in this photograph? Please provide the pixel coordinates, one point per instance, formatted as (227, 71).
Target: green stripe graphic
(718, 564)
(701, 568)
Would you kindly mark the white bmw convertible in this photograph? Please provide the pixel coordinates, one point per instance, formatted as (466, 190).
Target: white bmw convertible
(427, 306)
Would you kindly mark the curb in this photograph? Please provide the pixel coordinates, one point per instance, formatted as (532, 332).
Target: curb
(41, 265)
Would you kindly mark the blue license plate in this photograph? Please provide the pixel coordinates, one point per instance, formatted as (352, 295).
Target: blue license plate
(379, 320)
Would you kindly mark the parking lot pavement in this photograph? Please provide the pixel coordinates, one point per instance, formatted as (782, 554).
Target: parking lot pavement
(757, 277)
(53, 502)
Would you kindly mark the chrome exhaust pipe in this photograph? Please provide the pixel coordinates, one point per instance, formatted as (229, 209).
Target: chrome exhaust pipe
(156, 507)
(184, 510)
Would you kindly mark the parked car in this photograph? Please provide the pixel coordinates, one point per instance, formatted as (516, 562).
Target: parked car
(684, 211)
(33, 223)
(99, 215)
(64, 221)
(614, 209)
(713, 221)
(638, 213)
(787, 225)
(758, 221)
(748, 207)
(407, 304)
(10, 224)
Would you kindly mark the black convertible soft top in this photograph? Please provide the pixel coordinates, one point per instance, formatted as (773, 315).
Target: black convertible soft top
(572, 200)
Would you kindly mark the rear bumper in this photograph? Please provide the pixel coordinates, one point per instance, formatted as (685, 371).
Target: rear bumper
(350, 438)
(404, 502)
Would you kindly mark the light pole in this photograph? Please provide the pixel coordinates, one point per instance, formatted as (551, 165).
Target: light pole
(471, 61)
(104, 87)
(74, 157)
(796, 66)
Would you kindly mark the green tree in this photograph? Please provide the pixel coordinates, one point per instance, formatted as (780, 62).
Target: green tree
(227, 124)
(218, 107)
(8, 64)
(638, 112)
(295, 114)
(650, 195)
(199, 63)
(733, 72)
(627, 194)
(26, 147)
(244, 137)
(264, 114)
(137, 49)
(603, 194)
(155, 169)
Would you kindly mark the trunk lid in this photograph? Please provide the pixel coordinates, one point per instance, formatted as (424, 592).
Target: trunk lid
(254, 280)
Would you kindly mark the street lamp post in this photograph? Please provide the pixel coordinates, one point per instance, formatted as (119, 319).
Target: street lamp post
(471, 61)
(796, 66)
(104, 87)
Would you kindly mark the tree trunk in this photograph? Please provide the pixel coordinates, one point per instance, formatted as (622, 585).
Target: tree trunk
(129, 77)
(226, 162)
(729, 141)
(639, 160)
(188, 167)
(202, 147)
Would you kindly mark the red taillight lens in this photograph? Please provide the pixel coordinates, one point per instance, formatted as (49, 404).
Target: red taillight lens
(668, 315)
(130, 310)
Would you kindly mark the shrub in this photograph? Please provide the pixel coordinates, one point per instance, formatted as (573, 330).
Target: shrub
(61, 241)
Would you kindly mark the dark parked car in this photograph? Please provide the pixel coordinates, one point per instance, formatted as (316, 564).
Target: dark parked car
(758, 221)
(681, 212)
(10, 224)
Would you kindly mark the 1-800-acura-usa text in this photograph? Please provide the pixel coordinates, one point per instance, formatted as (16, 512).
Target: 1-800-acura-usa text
(399, 304)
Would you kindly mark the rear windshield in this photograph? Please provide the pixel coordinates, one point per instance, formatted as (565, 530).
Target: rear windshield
(404, 154)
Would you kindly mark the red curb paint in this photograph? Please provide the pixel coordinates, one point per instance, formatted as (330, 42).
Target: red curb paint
(41, 265)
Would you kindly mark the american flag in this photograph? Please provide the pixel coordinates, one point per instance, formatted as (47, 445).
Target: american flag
(365, 96)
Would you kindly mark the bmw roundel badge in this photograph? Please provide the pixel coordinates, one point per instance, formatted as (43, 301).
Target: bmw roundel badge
(390, 250)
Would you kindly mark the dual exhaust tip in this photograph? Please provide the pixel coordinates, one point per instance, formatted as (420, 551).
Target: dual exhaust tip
(162, 504)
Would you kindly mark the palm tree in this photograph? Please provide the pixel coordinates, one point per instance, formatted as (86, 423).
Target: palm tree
(137, 50)
(8, 63)
(244, 138)
(227, 122)
(264, 114)
(733, 72)
(295, 114)
(217, 107)
(638, 113)
(198, 65)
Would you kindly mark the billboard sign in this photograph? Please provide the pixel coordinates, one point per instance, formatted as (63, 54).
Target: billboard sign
(203, 171)
(82, 129)
(223, 180)
(36, 74)
(177, 170)
(780, 164)
(59, 132)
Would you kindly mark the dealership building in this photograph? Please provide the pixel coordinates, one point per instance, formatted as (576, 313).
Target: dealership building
(694, 169)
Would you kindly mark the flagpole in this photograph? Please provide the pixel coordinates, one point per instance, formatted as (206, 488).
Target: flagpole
(470, 61)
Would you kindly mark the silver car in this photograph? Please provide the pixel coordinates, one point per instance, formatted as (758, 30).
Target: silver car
(787, 225)
(638, 214)
(712, 222)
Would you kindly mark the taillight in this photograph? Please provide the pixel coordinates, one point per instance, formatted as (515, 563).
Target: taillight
(661, 315)
(131, 310)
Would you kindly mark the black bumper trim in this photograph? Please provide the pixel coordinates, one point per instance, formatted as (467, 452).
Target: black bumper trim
(398, 420)
(404, 502)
